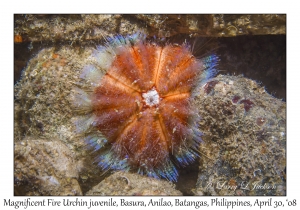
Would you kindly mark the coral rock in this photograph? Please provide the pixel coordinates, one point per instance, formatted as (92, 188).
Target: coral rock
(44, 167)
(122, 183)
(244, 139)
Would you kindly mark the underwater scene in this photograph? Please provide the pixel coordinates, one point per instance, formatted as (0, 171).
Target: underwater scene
(184, 105)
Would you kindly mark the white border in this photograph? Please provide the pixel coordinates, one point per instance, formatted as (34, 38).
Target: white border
(154, 6)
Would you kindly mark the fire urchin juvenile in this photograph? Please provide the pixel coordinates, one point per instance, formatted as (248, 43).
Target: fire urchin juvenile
(139, 114)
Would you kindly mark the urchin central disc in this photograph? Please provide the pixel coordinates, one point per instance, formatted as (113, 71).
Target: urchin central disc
(151, 98)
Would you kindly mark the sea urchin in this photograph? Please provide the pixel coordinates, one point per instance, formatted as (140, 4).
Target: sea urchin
(138, 111)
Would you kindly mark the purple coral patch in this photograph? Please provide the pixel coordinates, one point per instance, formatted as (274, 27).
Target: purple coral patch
(209, 86)
(247, 104)
(235, 99)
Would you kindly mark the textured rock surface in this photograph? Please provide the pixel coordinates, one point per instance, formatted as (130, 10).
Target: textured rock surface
(43, 104)
(44, 167)
(122, 183)
(74, 28)
(233, 25)
(245, 138)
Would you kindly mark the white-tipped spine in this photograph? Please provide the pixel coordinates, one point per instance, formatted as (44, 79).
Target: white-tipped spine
(82, 100)
(104, 57)
(92, 75)
(83, 123)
